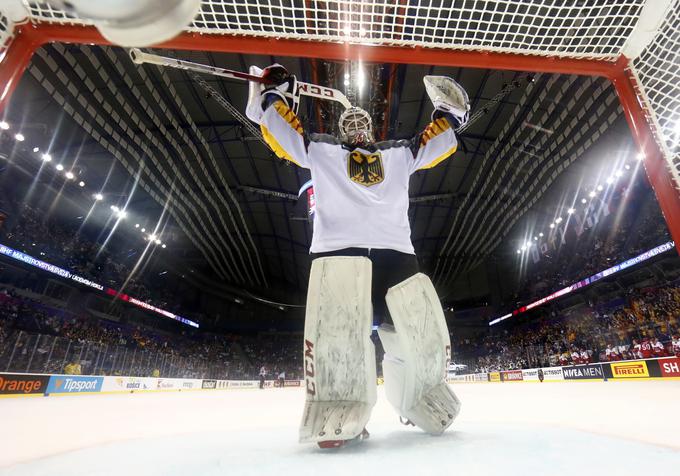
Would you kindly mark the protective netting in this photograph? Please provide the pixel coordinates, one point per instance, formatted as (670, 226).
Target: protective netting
(6, 29)
(583, 29)
(658, 73)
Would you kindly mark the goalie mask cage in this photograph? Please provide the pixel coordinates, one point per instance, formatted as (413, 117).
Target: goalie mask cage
(633, 43)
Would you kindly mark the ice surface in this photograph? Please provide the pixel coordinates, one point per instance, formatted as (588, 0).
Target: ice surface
(509, 429)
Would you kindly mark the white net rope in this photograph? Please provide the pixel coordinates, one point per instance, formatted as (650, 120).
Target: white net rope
(583, 29)
(6, 30)
(596, 29)
(657, 70)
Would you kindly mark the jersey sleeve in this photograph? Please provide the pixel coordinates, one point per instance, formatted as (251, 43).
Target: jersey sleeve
(436, 143)
(282, 131)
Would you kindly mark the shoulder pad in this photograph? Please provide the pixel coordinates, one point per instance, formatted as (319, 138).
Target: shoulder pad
(391, 144)
(325, 139)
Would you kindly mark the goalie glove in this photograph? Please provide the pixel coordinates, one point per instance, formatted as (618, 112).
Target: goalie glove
(449, 99)
(283, 85)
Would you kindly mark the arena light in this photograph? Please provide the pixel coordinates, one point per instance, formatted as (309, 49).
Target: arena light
(98, 196)
(163, 245)
(47, 157)
(584, 201)
(158, 242)
(36, 149)
(600, 188)
(558, 220)
(552, 225)
(571, 211)
(153, 237)
(610, 180)
(70, 176)
(19, 137)
(592, 194)
(122, 214)
(60, 167)
(536, 238)
(4, 126)
(519, 251)
(81, 183)
(143, 230)
(596, 277)
(640, 156)
(618, 173)
(136, 225)
(114, 208)
(627, 166)
(541, 235)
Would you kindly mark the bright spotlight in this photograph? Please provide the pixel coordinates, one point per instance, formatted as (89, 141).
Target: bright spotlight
(600, 188)
(158, 242)
(618, 173)
(610, 180)
(528, 244)
(559, 220)
(552, 225)
(536, 238)
(153, 237)
(60, 167)
(47, 157)
(640, 156)
(627, 167)
(70, 176)
(584, 201)
(346, 75)
(346, 82)
(115, 208)
(163, 246)
(98, 197)
(592, 194)
(136, 225)
(541, 235)
(19, 137)
(36, 149)
(81, 183)
(143, 230)
(122, 214)
(571, 211)
(524, 248)
(4, 126)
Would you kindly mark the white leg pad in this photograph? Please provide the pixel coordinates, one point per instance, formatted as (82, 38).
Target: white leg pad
(339, 356)
(417, 352)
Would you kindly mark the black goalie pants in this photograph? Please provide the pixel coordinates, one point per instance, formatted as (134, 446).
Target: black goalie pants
(389, 268)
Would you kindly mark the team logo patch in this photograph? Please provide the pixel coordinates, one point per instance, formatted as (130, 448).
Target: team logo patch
(365, 170)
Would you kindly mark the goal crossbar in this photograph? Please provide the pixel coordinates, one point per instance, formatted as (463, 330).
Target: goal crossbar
(638, 85)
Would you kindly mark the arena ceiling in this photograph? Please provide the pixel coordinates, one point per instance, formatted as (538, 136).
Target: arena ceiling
(154, 142)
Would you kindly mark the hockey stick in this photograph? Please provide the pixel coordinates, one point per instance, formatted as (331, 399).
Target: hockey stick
(304, 89)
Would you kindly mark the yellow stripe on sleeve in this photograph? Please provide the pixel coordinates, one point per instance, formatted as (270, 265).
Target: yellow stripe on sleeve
(276, 147)
(439, 159)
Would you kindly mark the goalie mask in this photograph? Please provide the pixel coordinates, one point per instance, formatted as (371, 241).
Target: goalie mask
(356, 126)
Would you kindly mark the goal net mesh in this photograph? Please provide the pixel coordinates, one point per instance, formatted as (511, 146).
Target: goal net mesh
(587, 29)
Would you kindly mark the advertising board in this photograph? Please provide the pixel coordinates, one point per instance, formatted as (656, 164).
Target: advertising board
(23, 384)
(670, 367)
(583, 372)
(632, 369)
(74, 384)
(511, 375)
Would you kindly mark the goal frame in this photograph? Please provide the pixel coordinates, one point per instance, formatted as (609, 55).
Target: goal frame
(29, 37)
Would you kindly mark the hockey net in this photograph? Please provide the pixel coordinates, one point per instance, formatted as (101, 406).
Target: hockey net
(643, 36)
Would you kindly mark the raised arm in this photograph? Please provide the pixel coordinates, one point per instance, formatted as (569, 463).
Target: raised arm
(438, 141)
(274, 109)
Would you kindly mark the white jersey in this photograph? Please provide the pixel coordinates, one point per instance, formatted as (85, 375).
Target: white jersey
(361, 194)
(676, 345)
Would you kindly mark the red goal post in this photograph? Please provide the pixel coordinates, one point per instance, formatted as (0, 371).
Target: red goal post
(633, 43)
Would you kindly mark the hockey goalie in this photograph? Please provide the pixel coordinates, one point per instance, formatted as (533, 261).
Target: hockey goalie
(364, 264)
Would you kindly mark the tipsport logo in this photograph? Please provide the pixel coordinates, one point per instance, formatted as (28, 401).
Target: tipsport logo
(64, 384)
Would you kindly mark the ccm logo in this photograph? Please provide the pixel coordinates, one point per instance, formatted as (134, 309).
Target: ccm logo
(309, 368)
(314, 89)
